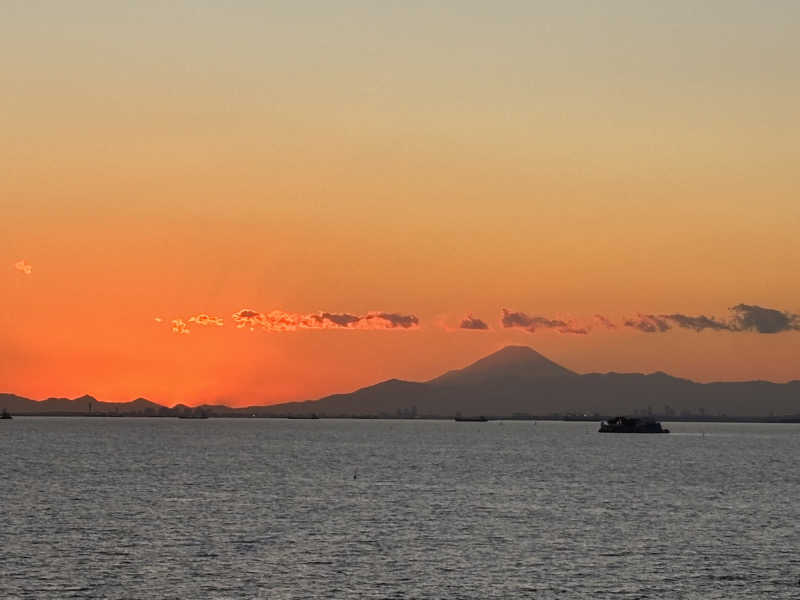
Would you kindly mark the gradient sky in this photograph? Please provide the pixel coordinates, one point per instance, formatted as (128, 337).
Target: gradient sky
(435, 159)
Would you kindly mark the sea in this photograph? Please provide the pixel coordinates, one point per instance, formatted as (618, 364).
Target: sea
(152, 508)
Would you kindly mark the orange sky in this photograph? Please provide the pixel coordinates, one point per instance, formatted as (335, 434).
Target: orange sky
(422, 160)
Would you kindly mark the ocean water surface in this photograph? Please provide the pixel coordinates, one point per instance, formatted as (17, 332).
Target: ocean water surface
(271, 508)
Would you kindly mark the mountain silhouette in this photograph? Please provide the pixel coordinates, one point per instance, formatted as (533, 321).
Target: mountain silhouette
(512, 362)
(515, 380)
(80, 405)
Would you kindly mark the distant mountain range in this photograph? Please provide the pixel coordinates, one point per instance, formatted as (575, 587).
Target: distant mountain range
(85, 404)
(514, 381)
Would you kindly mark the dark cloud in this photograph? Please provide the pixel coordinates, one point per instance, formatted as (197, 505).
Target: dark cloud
(648, 323)
(749, 317)
(698, 323)
(532, 323)
(545, 323)
(341, 319)
(515, 319)
(745, 317)
(571, 329)
(475, 324)
(249, 318)
(385, 320)
(605, 321)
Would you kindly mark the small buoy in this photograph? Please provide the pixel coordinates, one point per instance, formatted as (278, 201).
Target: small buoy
(355, 474)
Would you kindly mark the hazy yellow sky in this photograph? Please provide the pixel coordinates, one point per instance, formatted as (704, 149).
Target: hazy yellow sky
(432, 159)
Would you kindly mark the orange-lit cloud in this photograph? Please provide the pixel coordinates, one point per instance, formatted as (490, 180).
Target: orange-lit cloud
(204, 319)
(249, 318)
(278, 320)
(24, 267)
(179, 326)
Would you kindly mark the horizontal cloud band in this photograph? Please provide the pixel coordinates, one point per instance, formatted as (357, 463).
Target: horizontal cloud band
(278, 320)
(182, 327)
(532, 323)
(746, 317)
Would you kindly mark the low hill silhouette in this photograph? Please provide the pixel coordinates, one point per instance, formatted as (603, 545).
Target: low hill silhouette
(83, 404)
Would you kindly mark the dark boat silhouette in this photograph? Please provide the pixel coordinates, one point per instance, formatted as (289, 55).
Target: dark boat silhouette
(631, 425)
(480, 419)
(5, 415)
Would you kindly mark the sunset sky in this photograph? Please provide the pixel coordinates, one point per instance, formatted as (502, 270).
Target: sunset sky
(377, 172)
